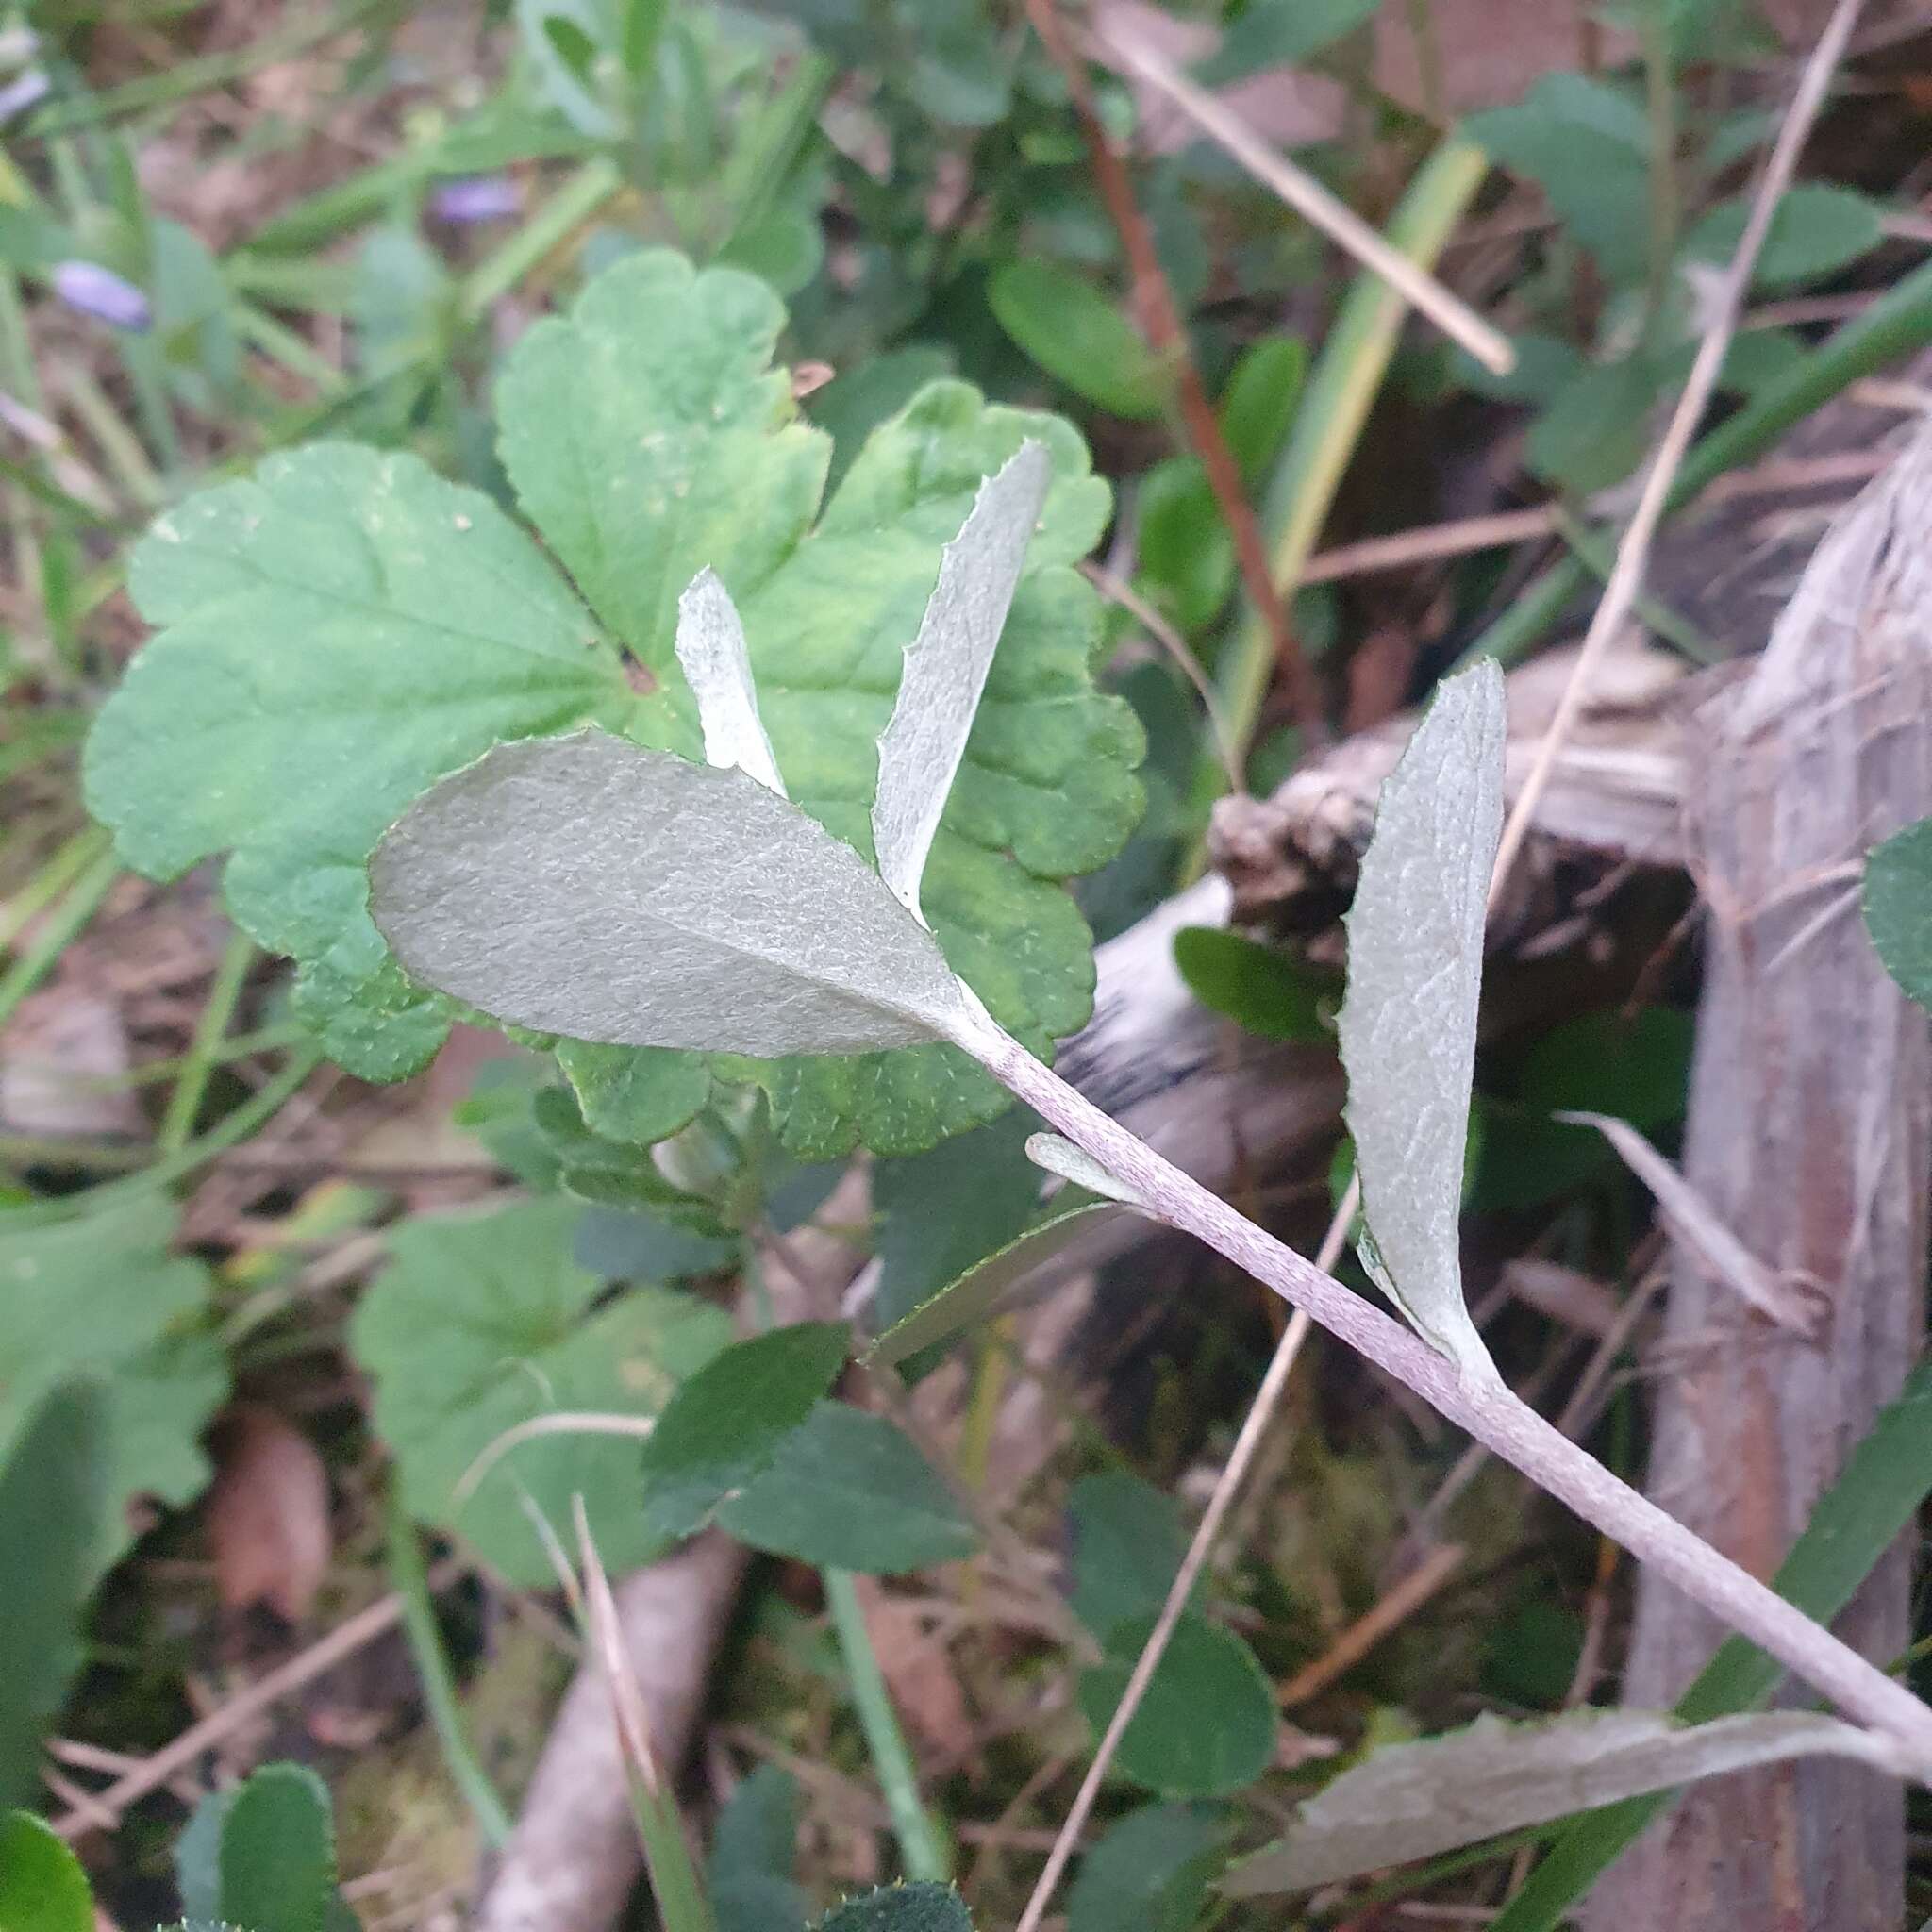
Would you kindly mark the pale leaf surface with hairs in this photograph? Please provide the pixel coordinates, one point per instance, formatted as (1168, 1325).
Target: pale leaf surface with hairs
(1415, 949)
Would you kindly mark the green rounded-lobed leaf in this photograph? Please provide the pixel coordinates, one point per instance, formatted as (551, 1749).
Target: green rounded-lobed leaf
(163, 1374)
(727, 1425)
(344, 629)
(1150, 1871)
(1207, 1723)
(338, 631)
(484, 1322)
(847, 1490)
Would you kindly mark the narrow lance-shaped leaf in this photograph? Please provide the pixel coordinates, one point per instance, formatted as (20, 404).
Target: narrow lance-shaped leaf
(946, 666)
(717, 665)
(586, 886)
(1415, 940)
(985, 1285)
(1058, 1155)
(1412, 1801)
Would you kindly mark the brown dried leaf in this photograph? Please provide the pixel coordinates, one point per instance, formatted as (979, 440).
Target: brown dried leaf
(917, 1670)
(268, 1514)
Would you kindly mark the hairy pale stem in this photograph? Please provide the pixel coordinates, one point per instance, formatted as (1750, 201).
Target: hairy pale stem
(1492, 1414)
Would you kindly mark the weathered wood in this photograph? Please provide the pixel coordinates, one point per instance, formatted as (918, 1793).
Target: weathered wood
(1615, 800)
(1811, 1133)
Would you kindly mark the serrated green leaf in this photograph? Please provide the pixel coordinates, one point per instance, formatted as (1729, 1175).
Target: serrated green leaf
(648, 438)
(590, 886)
(346, 629)
(1818, 228)
(484, 1321)
(1411, 1801)
(338, 631)
(1079, 335)
(1126, 1548)
(1149, 1872)
(165, 1375)
(53, 1496)
(1261, 988)
(900, 1908)
(946, 667)
(1407, 1024)
(1047, 787)
(727, 1423)
(42, 1887)
(847, 1490)
(278, 1853)
(615, 1174)
(978, 1291)
(1898, 907)
(1587, 144)
(1207, 1724)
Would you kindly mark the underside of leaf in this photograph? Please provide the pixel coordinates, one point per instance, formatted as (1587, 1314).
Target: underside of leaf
(590, 886)
(1413, 1801)
(946, 666)
(346, 628)
(1408, 1026)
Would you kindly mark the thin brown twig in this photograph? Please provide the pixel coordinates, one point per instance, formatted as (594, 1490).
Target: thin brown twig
(1118, 590)
(1316, 206)
(1633, 550)
(152, 1772)
(1159, 320)
(1393, 1608)
(1432, 542)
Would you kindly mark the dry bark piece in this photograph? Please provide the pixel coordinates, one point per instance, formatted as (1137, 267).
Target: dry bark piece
(1810, 1125)
(1614, 799)
(573, 1857)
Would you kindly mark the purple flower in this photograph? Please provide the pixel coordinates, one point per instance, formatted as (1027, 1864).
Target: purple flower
(100, 292)
(477, 198)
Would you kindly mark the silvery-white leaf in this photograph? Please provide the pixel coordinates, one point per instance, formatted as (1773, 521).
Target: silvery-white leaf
(589, 887)
(1700, 1228)
(946, 666)
(1408, 1026)
(717, 666)
(1413, 1801)
(1058, 1155)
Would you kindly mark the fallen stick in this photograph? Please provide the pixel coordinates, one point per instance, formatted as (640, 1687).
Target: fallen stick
(1811, 1133)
